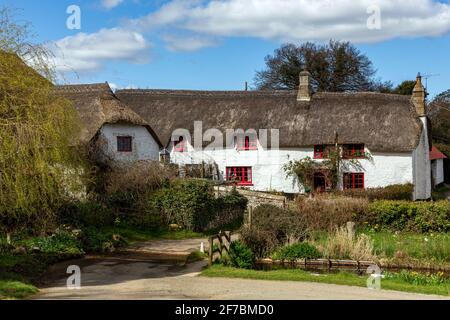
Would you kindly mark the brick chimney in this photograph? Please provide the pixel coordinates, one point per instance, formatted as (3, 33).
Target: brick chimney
(418, 97)
(304, 89)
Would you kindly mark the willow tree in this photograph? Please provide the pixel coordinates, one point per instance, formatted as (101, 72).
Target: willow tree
(37, 131)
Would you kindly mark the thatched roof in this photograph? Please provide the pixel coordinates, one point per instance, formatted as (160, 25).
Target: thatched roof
(97, 105)
(384, 122)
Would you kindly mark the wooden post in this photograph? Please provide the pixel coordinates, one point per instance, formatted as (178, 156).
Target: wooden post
(210, 251)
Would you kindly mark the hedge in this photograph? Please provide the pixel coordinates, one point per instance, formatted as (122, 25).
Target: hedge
(192, 205)
(413, 216)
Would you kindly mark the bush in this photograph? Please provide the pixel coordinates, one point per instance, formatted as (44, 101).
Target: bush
(96, 240)
(61, 242)
(87, 213)
(327, 213)
(229, 208)
(297, 251)
(241, 256)
(392, 192)
(271, 228)
(413, 216)
(192, 205)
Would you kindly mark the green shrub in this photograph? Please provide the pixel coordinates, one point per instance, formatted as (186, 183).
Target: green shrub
(241, 256)
(302, 250)
(87, 213)
(414, 216)
(260, 242)
(97, 240)
(392, 192)
(192, 205)
(62, 242)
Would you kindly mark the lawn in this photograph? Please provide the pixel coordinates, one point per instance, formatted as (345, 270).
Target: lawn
(394, 282)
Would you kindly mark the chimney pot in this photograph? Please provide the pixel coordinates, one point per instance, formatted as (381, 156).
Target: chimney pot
(304, 89)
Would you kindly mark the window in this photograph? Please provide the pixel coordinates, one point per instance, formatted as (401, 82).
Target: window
(250, 142)
(240, 175)
(353, 181)
(124, 144)
(180, 145)
(353, 151)
(322, 151)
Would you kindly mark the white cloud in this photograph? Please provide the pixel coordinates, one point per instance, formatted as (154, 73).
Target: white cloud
(109, 4)
(301, 20)
(188, 43)
(88, 52)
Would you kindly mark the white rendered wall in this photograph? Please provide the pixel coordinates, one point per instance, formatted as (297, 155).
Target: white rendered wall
(267, 166)
(422, 166)
(144, 145)
(437, 168)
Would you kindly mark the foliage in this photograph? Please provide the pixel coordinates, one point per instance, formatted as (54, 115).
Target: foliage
(419, 279)
(439, 113)
(191, 204)
(335, 67)
(241, 256)
(416, 216)
(62, 242)
(391, 192)
(302, 250)
(405, 88)
(271, 228)
(87, 213)
(343, 244)
(324, 212)
(126, 187)
(99, 240)
(331, 167)
(16, 289)
(37, 129)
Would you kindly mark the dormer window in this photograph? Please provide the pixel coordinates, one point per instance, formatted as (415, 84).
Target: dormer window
(179, 145)
(124, 144)
(353, 151)
(246, 143)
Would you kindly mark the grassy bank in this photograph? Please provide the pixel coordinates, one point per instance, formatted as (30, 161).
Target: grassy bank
(394, 282)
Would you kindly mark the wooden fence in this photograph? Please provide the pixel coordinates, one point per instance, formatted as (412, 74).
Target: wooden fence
(224, 242)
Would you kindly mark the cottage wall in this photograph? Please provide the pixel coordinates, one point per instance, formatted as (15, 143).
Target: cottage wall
(422, 166)
(268, 173)
(144, 145)
(437, 169)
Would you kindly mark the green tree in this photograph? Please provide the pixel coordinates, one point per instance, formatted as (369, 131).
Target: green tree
(405, 88)
(439, 113)
(335, 67)
(37, 130)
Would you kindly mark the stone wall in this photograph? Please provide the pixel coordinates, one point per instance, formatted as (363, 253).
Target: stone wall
(255, 198)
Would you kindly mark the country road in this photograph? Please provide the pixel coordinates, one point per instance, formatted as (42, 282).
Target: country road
(132, 277)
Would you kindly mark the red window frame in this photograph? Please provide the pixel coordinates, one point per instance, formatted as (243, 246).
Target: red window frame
(124, 144)
(318, 151)
(354, 151)
(354, 181)
(250, 142)
(242, 176)
(179, 145)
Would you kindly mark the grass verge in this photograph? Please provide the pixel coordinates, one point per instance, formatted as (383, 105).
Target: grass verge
(342, 278)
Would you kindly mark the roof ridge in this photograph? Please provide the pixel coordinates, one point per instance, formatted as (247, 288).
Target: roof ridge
(92, 87)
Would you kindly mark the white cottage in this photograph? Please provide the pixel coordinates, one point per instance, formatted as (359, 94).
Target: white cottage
(115, 132)
(280, 126)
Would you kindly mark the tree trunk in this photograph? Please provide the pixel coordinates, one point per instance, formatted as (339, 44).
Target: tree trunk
(8, 238)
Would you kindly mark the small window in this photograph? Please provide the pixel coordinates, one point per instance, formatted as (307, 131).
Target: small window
(353, 151)
(124, 144)
(318, 151)
(240, 175)
(353, 181)
(180, 145)
(250, 142)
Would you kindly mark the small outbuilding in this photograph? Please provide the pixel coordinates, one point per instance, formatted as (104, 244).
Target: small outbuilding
(437, 166)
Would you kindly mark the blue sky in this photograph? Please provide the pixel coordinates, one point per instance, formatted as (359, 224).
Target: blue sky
(219, 44)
